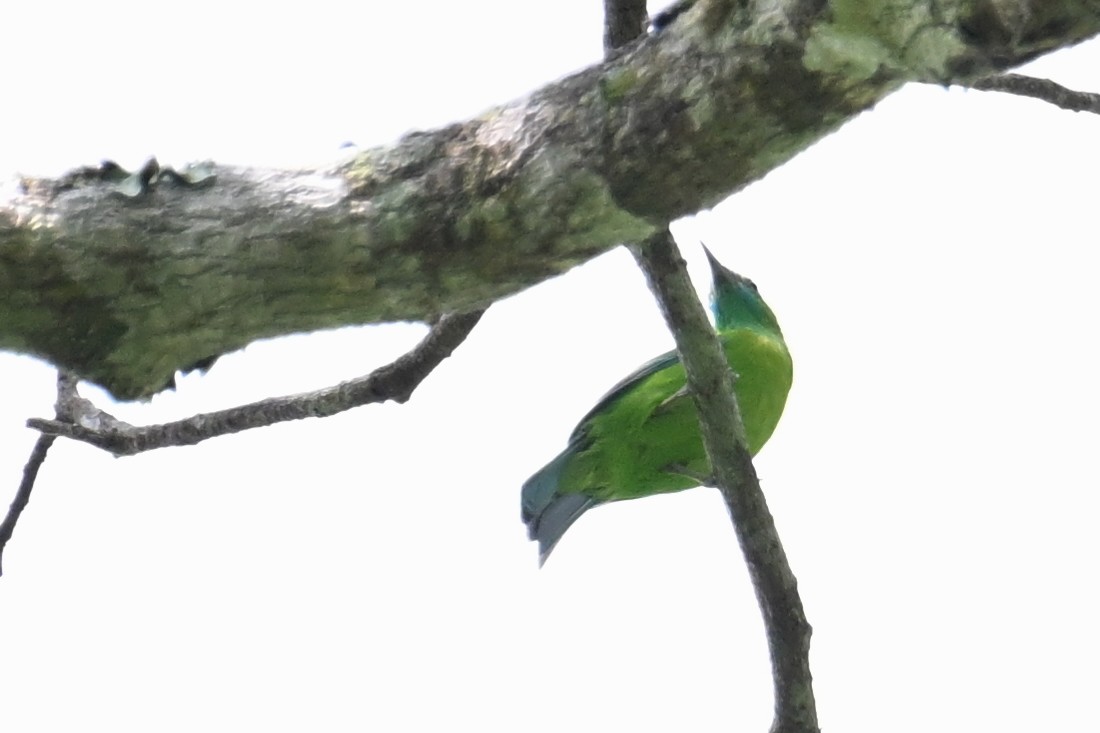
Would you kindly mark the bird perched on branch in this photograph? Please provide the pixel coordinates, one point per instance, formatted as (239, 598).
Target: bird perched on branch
(643, 437)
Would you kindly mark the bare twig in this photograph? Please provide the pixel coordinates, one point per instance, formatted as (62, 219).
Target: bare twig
(396, 381)
(1044, 89)
(23, 495)
(711, 384)
(66, 389)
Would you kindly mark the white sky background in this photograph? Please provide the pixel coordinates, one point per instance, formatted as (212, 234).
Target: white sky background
(934, 477)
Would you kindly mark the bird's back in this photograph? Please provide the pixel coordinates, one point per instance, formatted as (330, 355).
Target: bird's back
(643, 437)
(646, 440)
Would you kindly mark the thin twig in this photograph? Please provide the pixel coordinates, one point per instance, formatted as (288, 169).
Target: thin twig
(66, 388)
(23, 495)
(1044, 89)
(395, 381)
(711, 384)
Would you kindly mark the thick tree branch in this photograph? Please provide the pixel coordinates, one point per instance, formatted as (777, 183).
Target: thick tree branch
(711, 384)
(124, 282)
(1043, 89)
(396, 381)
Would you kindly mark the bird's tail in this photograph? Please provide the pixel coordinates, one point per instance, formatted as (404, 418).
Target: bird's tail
(547, 512)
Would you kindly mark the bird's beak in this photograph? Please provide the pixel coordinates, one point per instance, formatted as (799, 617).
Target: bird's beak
(722, 273)
(714, 264)
(718, 270)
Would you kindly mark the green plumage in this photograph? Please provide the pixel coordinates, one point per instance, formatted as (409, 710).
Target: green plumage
(643, 437)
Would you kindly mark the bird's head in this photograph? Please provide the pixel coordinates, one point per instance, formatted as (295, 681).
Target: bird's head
(736, 302)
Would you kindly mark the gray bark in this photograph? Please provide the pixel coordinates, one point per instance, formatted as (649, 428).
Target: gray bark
(124, 286)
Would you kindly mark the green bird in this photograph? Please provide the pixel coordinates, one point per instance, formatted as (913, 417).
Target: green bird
(643, 437)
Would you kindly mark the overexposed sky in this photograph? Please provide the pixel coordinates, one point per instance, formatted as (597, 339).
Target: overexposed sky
(934, 480)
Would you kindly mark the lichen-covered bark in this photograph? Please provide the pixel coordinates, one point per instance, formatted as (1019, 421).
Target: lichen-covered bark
(124, 290)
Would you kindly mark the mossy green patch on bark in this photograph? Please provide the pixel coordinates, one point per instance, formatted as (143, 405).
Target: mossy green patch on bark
(361, 173)
(400, 213)
(49, 312)
(617, 84)
(491, 219)
(576, 201)
(909, 38)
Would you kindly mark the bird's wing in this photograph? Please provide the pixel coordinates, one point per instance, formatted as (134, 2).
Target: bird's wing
(646, 370)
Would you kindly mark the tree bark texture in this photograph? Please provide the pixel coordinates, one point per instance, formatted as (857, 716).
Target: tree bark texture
(123, 286)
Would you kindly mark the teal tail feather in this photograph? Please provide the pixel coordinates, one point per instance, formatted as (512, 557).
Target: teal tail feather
(548, 513)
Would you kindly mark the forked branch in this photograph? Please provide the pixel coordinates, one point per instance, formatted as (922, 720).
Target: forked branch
(395, 381)
(79, 419)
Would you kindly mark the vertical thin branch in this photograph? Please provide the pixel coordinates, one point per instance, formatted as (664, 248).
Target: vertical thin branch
(711, 385)
(623, 21)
